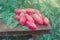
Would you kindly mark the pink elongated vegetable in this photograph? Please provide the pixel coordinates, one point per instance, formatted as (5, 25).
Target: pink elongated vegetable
(28, 10)
(45, 20)
(17, 11)
(17, 17)
(29, 18)
(22, 19)
(31, 25)
(37, 12)
(37, 19)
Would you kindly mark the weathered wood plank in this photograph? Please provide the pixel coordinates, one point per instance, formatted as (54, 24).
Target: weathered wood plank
(42, 29)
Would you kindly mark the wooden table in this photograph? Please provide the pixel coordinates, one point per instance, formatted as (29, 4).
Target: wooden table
(42, 29)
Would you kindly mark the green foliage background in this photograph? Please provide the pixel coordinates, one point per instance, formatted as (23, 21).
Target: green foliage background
(49, 8)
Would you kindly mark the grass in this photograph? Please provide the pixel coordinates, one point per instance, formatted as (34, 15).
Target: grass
(49, 8)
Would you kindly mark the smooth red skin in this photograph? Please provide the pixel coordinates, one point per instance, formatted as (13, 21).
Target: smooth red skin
(31, 11)
(37, 12)
(29, 18)
(22, 19)
(37, 19)
(45, 20)
(28, 10)
(31, 25)
(17, 11)
(17, 17)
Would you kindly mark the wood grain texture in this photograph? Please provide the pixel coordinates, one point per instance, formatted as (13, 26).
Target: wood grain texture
(4, 30)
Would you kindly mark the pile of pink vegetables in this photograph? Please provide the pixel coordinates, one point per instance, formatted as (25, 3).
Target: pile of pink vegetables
(30, 17)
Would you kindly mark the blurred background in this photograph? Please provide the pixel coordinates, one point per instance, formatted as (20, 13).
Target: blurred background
(49, 8)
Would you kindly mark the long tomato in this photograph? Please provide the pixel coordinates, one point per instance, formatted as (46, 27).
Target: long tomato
(17, 11)
(37, 19)
(22, 19)
(37, 12)
(29, 11)
(31, 25)
(17, 17)
(29, 18)
(46, 20)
